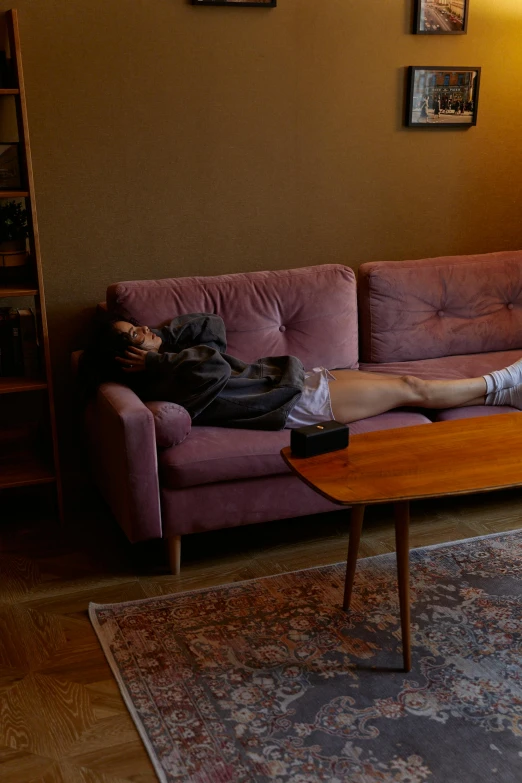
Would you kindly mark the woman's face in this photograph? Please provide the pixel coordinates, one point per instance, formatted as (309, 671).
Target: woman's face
(139, 336)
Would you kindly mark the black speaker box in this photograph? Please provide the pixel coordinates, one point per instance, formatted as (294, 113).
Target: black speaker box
(319, 438)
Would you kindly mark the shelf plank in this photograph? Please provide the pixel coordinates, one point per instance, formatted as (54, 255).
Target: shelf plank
(19, 384)
(9, 91)
(17, 289)
(14, 193)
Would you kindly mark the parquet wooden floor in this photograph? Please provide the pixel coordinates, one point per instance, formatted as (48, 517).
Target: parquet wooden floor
(62, 719)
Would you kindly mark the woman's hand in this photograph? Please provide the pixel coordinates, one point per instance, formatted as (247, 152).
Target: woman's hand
(134, 359)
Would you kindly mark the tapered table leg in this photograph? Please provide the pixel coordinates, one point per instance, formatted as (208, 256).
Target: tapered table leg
(402, 522)
(357, 518)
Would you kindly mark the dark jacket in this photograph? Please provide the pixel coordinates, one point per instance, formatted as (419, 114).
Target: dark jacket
(193, 370)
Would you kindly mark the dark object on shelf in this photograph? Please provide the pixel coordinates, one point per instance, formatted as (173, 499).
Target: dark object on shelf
(6, 344)
(6, 74)
(433, 19)
(442, 96)
(13, 234)
(10, 177)
(11, 361)
(319, 438)
(18, 361)
(29, 343)
(19, 345)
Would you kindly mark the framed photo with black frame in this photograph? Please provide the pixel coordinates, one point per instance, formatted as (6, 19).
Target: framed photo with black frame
(442, 96)
(251, 3)
(441, 17)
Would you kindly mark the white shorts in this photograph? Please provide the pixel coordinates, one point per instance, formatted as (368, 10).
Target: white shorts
(314, 404)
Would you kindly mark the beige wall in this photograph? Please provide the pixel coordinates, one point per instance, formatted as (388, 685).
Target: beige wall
(171, 140)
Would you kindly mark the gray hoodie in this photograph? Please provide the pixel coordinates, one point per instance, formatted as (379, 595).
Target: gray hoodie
(193, 370)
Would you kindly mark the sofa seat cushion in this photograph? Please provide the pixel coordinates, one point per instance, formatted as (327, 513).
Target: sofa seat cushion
(472, 411)
(389, 421)
(214, 454)
(448, 367)
(454, 367)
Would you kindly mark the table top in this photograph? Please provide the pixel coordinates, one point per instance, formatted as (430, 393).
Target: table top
(428, 460)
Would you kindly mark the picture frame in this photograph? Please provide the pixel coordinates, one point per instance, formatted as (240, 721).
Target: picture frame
(10, 169)
(442, 96)
(251, 3)
(441, 17)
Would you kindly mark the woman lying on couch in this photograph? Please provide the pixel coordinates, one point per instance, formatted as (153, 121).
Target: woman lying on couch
(186, 363)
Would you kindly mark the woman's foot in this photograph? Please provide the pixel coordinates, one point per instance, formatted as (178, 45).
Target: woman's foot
(512, 396)
(504, 379)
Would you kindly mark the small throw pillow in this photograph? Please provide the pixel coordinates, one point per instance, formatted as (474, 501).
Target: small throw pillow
(171, 422)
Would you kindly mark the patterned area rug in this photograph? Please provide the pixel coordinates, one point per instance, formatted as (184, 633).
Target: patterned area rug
(269, 680)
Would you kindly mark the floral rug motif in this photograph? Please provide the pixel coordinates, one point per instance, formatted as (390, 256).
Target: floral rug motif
(269, 680)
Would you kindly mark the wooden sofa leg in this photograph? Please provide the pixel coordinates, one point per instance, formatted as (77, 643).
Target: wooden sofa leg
(174, 551)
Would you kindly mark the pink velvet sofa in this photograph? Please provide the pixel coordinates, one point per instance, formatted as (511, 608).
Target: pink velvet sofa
(163, 477)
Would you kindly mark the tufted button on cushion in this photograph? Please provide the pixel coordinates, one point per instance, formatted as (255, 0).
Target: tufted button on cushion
(510, 306)
(440, 313)
(282, 328)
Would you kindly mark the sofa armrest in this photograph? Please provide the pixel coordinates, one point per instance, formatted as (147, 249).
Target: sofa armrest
(122, 442)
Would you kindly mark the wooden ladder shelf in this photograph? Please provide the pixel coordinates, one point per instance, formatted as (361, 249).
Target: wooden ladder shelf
(28, 435)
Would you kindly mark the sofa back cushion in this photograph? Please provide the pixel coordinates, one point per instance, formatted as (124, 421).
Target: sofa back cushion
(443, 306)
(309, 312)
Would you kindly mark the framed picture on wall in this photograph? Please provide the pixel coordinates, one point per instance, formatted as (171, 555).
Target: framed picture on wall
(441, 97)
(441, 17)
(251, 3)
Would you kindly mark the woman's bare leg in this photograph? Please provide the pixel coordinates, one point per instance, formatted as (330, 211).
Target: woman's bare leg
(358, 395)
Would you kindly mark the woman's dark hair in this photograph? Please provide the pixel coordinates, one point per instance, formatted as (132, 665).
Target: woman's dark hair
(98, 362)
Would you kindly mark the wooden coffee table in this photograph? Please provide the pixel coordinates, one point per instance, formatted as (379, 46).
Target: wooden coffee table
(395, 466)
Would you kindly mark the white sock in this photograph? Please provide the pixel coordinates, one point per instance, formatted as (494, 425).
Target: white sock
(504, 379)
(511, 397)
